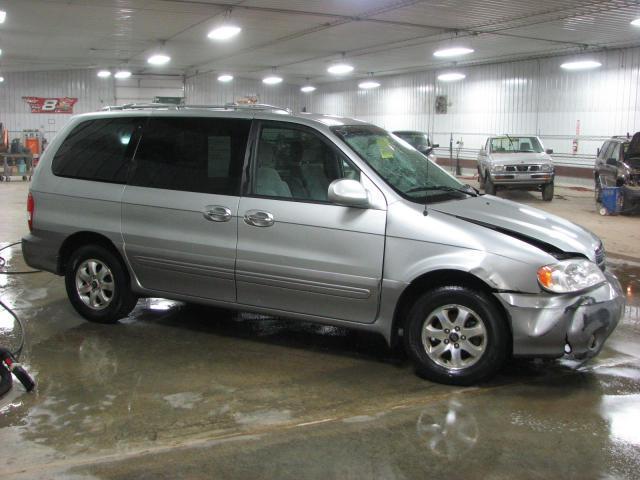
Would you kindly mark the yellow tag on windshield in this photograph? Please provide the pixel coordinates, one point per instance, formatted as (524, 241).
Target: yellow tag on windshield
(386, 150)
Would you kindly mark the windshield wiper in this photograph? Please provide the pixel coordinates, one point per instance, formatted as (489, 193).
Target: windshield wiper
(443, 188)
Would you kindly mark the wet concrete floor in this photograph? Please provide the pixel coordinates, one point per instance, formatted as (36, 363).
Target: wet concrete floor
(181, 391)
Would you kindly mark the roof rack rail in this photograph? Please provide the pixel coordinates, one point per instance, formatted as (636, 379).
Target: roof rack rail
(226, 106)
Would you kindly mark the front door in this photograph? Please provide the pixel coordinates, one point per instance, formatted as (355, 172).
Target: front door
(297, 251)
(180, 208)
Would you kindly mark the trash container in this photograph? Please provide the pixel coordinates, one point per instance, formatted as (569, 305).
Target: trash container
(611, 200)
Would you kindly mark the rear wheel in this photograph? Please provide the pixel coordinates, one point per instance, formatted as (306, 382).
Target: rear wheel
(456, 335)
(489, 186)
(547, 192)
(98, 285)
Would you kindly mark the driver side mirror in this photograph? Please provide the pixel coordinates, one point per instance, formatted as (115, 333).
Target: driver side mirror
(435, 145)
(348, 193)
(612, 162)
(549, 151)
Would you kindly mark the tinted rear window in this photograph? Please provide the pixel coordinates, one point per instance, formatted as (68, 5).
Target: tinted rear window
(97, 150)
(202, 155)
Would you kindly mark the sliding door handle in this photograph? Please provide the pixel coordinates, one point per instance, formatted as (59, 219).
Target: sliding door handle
(258, 218)
(217, 213)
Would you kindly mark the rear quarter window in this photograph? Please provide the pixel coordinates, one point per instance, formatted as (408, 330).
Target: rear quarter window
(97, 150)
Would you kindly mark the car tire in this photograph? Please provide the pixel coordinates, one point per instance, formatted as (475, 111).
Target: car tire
(547, 192)
(98, 285)
(434, 336)
(489, 186)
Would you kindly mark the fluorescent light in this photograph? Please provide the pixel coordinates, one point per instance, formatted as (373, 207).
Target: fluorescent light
(581, 65)
(368, 84)
(451, 76)
(272, 80)
(225, 32)
(635, 23)
(122, 74)
(1, 79)
(452, 52)
(340, 68)
(104, 73)
(3, 16)
(225, 78)
(0, 51)
(308, 89)
(159, 59)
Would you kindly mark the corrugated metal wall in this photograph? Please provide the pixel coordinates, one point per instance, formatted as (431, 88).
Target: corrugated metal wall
(205, 89)
(524, 97)
(92, 93)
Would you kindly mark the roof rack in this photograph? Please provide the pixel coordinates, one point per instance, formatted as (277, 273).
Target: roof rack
(226, 106)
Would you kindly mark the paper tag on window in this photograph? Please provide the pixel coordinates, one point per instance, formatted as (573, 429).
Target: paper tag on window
(386, 150)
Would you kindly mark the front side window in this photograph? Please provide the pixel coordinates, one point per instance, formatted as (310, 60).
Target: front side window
(515, 145)
(97, 150)
(408, 172)
(296, 163)
(202, 155)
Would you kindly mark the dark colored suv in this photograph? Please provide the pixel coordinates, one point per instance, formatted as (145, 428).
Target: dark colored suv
(618, 165)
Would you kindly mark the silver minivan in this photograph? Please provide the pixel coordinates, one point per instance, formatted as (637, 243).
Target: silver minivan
(317, 218)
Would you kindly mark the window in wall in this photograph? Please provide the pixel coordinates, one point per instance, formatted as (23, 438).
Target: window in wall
(202, 155)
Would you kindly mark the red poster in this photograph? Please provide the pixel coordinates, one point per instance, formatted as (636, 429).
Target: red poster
(51, 105)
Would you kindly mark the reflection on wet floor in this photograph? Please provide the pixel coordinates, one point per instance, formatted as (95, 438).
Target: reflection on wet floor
(253, 396)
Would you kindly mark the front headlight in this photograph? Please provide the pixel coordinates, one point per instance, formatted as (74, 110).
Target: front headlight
(570, 276)
(547, 167)
(497, 168)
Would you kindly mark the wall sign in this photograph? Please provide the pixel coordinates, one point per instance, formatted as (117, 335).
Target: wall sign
(51, 105)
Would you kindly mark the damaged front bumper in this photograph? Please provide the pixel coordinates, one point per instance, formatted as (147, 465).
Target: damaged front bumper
(547, 325)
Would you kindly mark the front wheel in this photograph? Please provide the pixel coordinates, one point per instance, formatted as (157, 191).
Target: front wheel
(547, 192)
(98, 286)
(456, 335)
(489, 186)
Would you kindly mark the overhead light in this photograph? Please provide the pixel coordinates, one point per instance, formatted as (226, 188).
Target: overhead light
(225, 78)
(104, 73)
(158, 59)
(581, 65)
(0, 51)
(635, 23)
(3, 16)
(340, 68)
(368, 84)
(272, 80)
(225, 32)
(308, 89)
(451, 76)
(1, 79)
(120, 74)
(452, 52)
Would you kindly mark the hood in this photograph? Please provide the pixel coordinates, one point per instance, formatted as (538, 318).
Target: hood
(515, 158)
(546, 231)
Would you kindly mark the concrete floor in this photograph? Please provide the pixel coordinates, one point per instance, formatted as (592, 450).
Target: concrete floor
(179, 391)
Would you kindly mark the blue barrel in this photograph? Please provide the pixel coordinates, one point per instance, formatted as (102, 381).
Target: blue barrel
(611, 198)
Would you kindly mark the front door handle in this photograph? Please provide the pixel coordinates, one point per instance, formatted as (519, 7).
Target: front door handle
(258, 218)
(217, 213)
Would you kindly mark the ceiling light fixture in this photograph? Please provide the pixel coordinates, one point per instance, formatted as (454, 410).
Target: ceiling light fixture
(340, 69)
(121, 74)
(224, 32)
(3, 16)
(159, 59)
(635, 23)
(451, 76)
(104, 74)
(581, 65)
(272, 80)
(0, 51)
(308, 89)
(452, 52)
(1, 79)
(367, 84)
(225, 77)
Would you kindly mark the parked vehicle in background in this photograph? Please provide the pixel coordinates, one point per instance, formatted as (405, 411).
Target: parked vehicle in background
(516, 162)
(316, 218)
(618, 165)
(418, 140)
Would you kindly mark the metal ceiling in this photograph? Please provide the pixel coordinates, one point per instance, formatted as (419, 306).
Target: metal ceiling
(300, 38)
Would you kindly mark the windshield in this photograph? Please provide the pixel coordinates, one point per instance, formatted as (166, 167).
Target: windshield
(415, 139)
(406, 170)
(515, 145)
